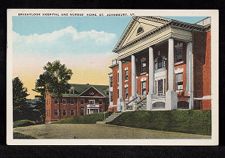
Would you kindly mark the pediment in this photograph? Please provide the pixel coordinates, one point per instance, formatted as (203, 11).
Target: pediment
(91, 92)
(138, 27)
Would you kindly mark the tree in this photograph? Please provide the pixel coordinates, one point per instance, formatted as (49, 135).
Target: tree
(19, 99)
(57, 79)
(40, 87)
(19, 94)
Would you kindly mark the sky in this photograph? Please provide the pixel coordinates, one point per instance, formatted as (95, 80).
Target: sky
(83, 44)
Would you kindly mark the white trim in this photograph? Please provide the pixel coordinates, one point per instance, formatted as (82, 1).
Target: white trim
(179, 70)
(143, 79)
(126, 68)
(94, 88)
(207, 97)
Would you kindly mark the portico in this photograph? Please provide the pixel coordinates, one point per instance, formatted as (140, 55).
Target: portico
(161, 65)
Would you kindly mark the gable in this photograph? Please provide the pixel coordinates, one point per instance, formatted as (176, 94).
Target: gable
(146, 24)
(91, 92)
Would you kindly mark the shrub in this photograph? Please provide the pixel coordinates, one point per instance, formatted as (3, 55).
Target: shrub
(21, 123)
(187, 121)
(17, 135)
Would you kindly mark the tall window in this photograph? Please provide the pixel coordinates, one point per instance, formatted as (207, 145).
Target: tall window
(143, 65)
(160, 61)
(118, 77)
(118, 94)
(72, 112)
(126, 74)
(126, 92)
(143, 88)
(56, 101)
(110, 81)
(179, 81)
(64, 101)
(71, 100)
(160, 87)
(179, 47)
(64, 112)
(56, 112)
(111, 96)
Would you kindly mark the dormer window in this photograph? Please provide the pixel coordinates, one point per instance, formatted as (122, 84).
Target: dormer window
(140, 30)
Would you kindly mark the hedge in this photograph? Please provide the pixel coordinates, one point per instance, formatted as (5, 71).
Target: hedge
(87, 119)
(187, 121)
(21, 123)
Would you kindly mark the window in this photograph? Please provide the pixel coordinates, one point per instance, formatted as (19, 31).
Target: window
(140, 30)
(143, 88)
(110, 81)
(179, 47)
(92, 102)
(82, 101)
(72, 112)
(126, 74)
(179, 81)
(100, 101)
(118, 93)
(64, 112)
(160, 87)
(64, 101)
(160, 61)
(111, 96)
(56, 112)
(68, 100)
(71, 100)
(126, 92)
(56, 101)
(118, 77)
(143, 65)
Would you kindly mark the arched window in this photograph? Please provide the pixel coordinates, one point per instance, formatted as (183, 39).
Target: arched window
(140, 30)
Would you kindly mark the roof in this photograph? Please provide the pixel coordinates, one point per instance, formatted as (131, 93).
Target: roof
(164, 21)
(80, 88)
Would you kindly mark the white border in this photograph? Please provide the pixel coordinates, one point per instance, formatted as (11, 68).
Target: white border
(214, 80)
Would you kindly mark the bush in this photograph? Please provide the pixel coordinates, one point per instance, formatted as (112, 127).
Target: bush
(187, 121)
(17, 135)
(87, 119)
(21, 123)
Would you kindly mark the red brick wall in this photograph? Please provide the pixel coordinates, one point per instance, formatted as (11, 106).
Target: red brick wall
(202, 67)
(115, 84)
(51, 106)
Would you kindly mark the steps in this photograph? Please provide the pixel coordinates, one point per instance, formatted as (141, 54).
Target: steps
(110, 118)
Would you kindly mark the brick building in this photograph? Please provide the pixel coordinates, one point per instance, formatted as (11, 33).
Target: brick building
(81, 99)
(162, 64)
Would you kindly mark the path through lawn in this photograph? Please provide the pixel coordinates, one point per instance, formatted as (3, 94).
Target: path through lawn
(97, 131)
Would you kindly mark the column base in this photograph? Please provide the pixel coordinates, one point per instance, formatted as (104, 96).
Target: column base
(149, 102)
(120, 105)
(171, 100)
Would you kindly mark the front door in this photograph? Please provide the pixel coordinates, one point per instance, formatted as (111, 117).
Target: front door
(160, 87)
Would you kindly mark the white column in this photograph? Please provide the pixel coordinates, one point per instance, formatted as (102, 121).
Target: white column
(171, 96)
(171, 64)
(120, 99)
(133, 77)
(151, 79)
(189, 70)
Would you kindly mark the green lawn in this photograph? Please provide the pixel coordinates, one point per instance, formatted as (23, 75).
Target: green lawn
(187, 121)
(97, 131)
(87, 119)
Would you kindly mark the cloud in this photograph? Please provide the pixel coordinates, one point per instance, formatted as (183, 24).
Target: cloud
(68, 40)
(87, 53)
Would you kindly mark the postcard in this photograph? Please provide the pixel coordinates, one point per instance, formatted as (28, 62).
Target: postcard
(112, 77)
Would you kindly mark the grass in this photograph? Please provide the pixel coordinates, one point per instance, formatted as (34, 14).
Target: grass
(188, 121)
(21, 123)
(17, 135)
(99, 131)
(87, 119)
